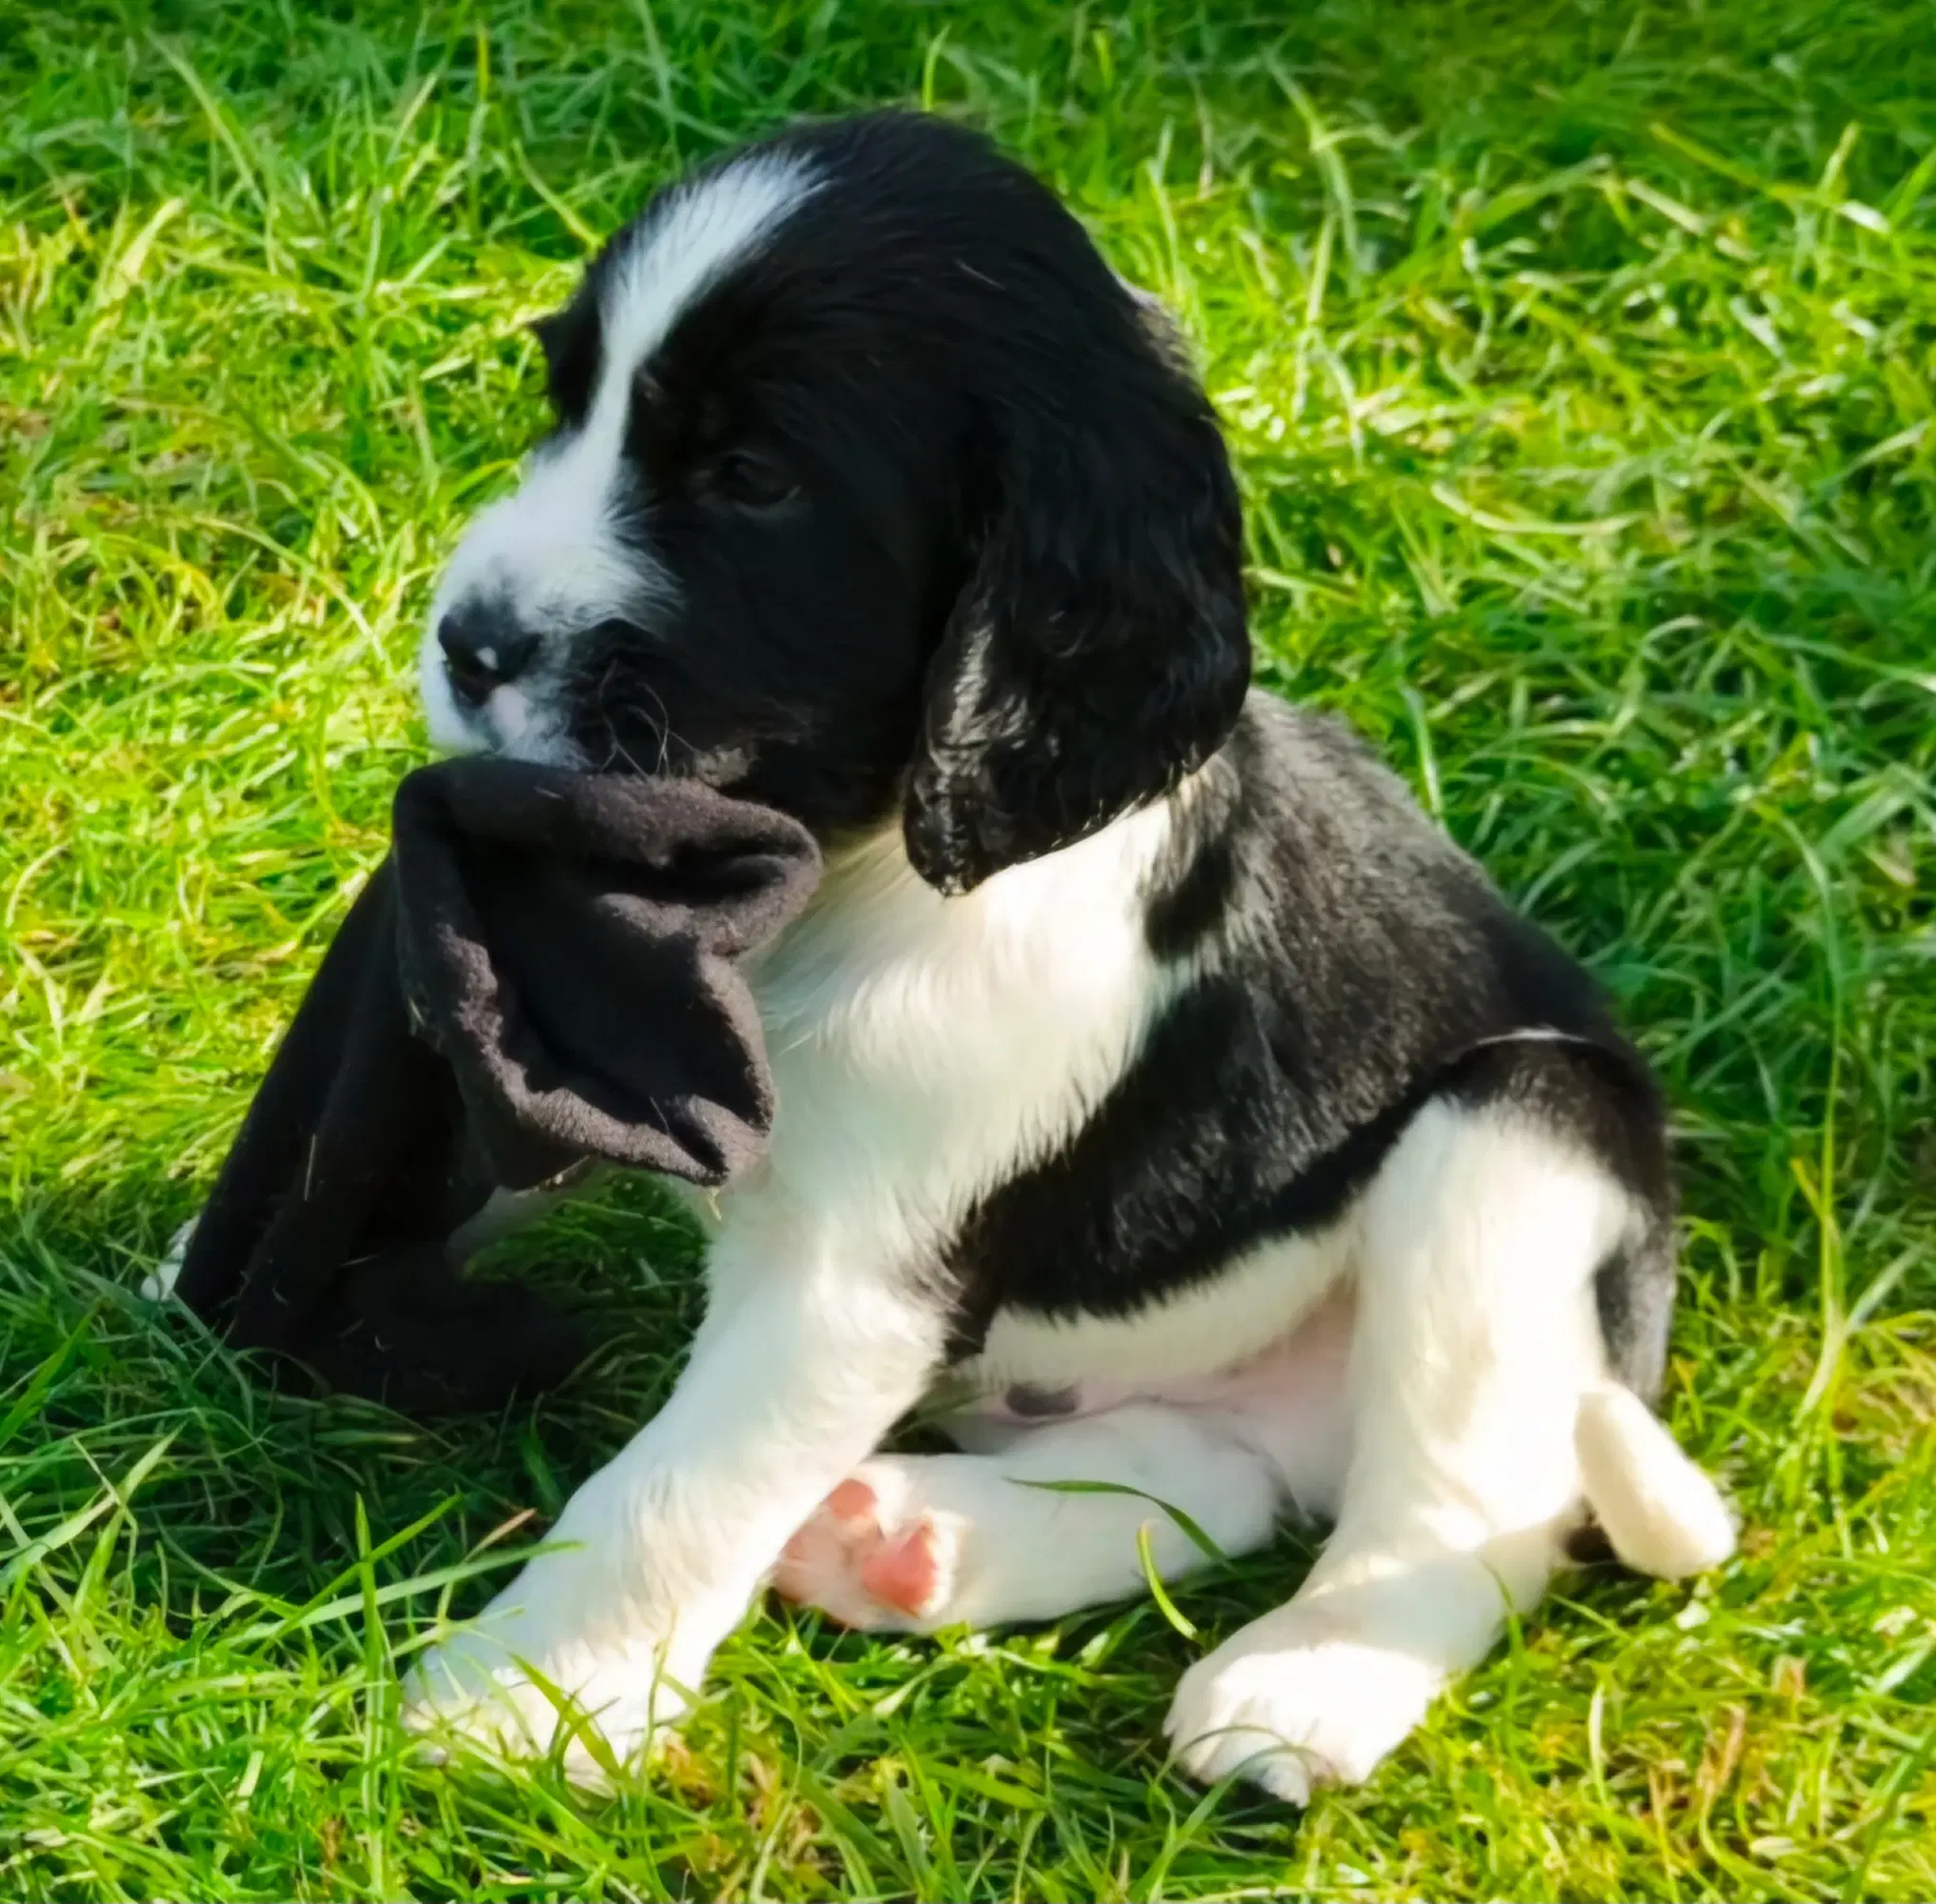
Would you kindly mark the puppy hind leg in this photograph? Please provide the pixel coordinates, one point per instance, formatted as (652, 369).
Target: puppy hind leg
(1476, 1339)
(917, 1542)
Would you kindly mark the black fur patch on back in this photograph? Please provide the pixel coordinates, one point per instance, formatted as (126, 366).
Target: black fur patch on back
(1354, 964)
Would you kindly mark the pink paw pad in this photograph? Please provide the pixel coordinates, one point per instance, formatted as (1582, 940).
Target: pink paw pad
(844, 1562)
(853, 1500)
(904, 1573)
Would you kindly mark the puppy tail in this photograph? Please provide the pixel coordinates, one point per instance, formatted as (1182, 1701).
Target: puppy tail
(1662, 1514)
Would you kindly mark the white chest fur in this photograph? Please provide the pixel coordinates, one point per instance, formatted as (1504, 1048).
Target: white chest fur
(924, 1048)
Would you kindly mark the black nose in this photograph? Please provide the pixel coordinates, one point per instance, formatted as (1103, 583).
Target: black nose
(482, 651)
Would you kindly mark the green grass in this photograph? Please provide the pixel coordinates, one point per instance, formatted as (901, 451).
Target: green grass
(1580, 361)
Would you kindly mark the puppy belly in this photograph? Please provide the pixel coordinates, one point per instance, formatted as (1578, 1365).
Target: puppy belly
(1202, 1330)
(1287, 1401)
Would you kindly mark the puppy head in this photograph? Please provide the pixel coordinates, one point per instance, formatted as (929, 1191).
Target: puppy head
(870, 487)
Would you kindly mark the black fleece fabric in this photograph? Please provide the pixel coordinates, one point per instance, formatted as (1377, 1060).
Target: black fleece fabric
(541, 975)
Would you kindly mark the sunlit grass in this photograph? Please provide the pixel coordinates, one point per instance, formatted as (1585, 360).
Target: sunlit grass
(1580, 364)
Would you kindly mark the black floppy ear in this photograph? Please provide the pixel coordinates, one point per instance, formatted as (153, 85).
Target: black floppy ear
(1098, 652)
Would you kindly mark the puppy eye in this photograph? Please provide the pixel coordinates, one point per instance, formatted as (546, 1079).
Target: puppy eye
(751, 481)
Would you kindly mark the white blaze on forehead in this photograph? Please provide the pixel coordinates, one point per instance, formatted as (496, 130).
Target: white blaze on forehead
(695, 238)
(699, 233)
(557, 557)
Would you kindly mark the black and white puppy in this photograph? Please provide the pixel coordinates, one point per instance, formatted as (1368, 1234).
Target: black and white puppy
(1149, 1067)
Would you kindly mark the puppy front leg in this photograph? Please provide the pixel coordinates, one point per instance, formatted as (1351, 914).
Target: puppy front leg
(802, 1364)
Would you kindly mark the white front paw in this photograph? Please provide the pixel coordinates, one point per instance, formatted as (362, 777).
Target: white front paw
(1292, 1707)
(564, 1649)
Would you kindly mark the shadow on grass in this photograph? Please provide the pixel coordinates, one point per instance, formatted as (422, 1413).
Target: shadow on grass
(261, 1485)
